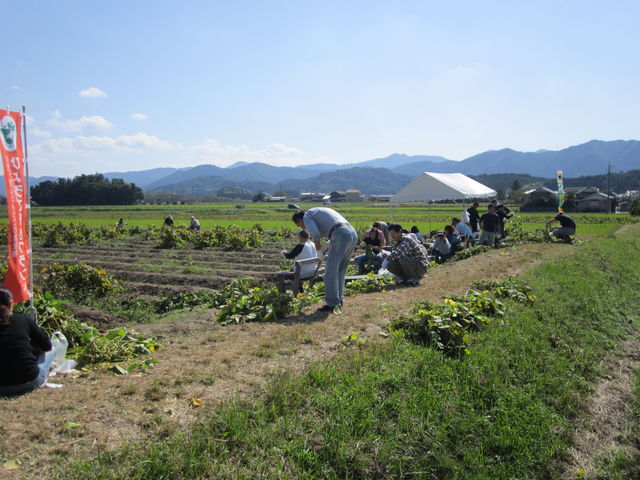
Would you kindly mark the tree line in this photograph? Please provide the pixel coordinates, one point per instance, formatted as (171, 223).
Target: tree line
(86, 190)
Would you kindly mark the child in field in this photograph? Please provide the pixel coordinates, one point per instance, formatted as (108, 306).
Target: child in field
(302, 251)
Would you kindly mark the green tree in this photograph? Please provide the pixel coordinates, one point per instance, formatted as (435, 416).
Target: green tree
(259, 197)
(635, 207)
(515, 185)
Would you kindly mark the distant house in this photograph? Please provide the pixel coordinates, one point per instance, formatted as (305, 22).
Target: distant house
(275, 199)
(354, 195)
(338, 196)
(311, 196)
(540, 199)
(596, 202)
(380, 198)
(581, 192)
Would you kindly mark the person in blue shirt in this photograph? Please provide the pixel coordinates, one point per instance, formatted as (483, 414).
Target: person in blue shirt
(323, 222)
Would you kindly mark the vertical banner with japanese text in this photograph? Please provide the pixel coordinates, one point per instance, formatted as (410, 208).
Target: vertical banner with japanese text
(560, 190)
(13, 163)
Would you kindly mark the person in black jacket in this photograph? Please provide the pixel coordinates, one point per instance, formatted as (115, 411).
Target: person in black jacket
(24, 365)
(474, 216)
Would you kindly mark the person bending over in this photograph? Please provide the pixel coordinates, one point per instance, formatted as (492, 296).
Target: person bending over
(323, 222)
(408, 260)
(463, 230)
(168, 222)
(25, 350)
(375, 241)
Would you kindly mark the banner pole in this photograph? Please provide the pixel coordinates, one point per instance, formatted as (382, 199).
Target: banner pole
(28, 189)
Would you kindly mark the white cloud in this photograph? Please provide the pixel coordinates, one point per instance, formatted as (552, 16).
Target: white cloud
(139, 116)
(17, 88)
(92, 92)
(37, 132)
(56, 114)
(95, 122)
(79, 145)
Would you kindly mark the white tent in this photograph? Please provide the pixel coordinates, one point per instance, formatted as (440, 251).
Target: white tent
(442, 186)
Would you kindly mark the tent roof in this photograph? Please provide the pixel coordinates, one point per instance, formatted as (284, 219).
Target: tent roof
(442, 186)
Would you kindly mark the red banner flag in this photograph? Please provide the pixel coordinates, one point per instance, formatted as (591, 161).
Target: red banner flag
(17, 278)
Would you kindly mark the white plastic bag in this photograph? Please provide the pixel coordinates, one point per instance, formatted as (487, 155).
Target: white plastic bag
(59, 343)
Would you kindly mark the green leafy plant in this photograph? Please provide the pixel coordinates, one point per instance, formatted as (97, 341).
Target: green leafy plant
(79, 282)
(447, 327)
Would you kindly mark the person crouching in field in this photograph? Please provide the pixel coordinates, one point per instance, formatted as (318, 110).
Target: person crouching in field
(375, 242)
(168, 222)
(323, 222)
(194, 226)
(567, 227)
(25, 350)
(408, 260)
(302, 251)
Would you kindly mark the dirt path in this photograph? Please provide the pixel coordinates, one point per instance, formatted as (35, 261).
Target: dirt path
(96, 411)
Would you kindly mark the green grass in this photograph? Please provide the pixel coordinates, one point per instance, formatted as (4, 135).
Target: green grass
(399, 410)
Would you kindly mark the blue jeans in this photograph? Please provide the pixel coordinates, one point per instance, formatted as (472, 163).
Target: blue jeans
(343, 242)
(44, 363)
(362, 261)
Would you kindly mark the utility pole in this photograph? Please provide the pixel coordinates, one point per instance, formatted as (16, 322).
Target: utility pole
(609, 188)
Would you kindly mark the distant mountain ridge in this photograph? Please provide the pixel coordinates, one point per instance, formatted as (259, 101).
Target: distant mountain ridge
(591, 158)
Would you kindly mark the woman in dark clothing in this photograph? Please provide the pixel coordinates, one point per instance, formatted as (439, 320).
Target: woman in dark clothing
(24, 365)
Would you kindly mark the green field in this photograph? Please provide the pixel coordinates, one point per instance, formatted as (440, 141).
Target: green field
(277, 215)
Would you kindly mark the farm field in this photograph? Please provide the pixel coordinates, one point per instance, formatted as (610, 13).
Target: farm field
(276, 215)
(212, 363)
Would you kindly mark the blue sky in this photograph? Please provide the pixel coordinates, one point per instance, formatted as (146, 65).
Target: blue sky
(132, 85)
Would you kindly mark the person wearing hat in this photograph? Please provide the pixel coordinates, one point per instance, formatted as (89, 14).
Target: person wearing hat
(489, 224)
(168, 222)
(408, 260)
(195, 224)
(323, 222)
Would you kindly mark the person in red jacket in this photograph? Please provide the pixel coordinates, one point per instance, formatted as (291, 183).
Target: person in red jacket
(25, 350)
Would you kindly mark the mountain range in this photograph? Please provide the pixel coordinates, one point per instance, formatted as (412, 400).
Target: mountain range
(384, 175)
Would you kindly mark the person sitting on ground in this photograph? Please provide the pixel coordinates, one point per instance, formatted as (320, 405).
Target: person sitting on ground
(408, 260)
(567, 227)
(120, 223)
(416, 232)
(384, 228)
(375, 242)
(474, 216)
(195, 224)
(168, 222)
(302, 251)
(441, 247)
(453, 238)
(463, 230)
(489, 223)
(25, 350)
